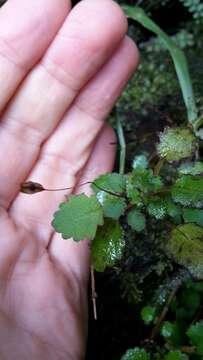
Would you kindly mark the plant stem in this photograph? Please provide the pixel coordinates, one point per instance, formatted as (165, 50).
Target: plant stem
(122, 144)
(94, 294)
(161, 318)
(158, 167)
(31, 188)
(180, 62)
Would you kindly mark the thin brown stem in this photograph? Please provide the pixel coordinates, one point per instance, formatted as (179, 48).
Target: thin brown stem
(158, 167)
(94, 294)
(31, 187)
(163, 314)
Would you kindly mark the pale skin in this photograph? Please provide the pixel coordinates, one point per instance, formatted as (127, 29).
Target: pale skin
(61, 71)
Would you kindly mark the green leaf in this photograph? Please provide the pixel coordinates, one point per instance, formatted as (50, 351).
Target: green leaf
(112, 182)
(176, 355)
(176, 144)
(108, 245)
(113, 206)
(79, 217)
(190, 300)
(163, 206)
(132, 193)
(179, 59)
(186, 247)
(148, 314)
(188, 191)
(146, 181)
(173, 332)
(136, 354)
(157, 208)
(191, 169)
(193, 216)
(195, 333)
(139, 183)
(140, 162)
(136, 220)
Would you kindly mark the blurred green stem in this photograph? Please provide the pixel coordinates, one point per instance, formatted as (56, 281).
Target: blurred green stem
(179, 59)
(122, 144)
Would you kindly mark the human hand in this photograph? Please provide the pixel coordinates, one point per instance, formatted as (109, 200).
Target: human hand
(60, 74)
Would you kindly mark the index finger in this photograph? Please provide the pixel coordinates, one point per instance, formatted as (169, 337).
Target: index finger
(26, 30)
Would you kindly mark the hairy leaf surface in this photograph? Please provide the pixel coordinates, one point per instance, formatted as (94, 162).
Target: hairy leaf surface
(188, 191)
(186, 247)
(136, 354)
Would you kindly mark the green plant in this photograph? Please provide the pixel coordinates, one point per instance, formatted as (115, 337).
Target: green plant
(159, 203)
(195, 7)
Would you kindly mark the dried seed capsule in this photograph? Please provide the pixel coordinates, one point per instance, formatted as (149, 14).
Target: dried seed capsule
(31, 187)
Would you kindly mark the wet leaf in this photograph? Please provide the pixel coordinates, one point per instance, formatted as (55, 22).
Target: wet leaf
(140, 162)
(108, 245)
(186, 247)
(188, 191)
(176, 144)
(136, 354)
(161, 207)
(191, 168)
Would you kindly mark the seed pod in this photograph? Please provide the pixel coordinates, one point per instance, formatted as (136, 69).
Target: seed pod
(31, 187)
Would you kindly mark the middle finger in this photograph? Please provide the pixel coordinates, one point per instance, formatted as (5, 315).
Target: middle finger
(87, 39)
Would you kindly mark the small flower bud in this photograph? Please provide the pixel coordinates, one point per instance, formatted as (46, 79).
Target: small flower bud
(31, 187)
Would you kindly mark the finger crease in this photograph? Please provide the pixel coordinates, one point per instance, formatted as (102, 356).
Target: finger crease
(10, 54)
(58, 163)
(22, 130)
(60, 75)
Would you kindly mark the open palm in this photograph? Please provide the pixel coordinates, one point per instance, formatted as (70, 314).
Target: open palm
(61, 71)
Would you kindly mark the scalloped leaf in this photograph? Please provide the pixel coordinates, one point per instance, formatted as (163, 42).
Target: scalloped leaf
(108, 245)
(140, 162)
(193, 216)
(146, 181)
(112, 182)
(195, 333)
(176, 355)
(148, 314)
(161, 207)
(113, 206)
(174, 332)
(186, 247)
(79, 217)
(132, 193)
(191, 168)
(136, 220)
(188, 191)
(176, 144)
(136, 354)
